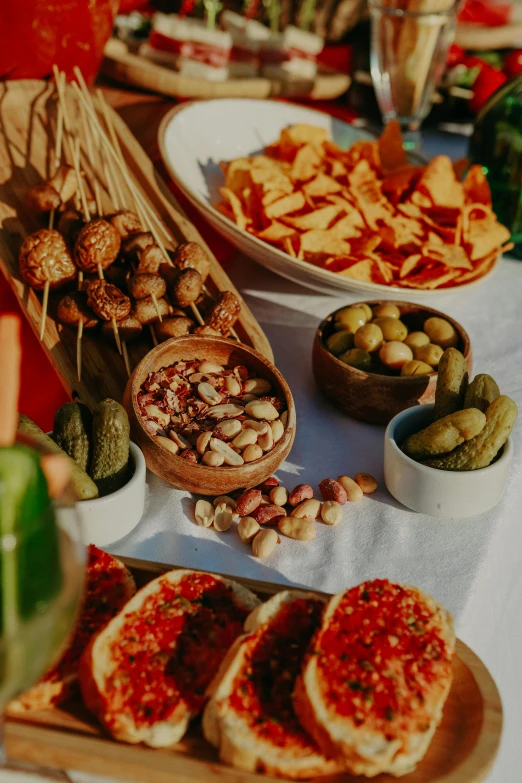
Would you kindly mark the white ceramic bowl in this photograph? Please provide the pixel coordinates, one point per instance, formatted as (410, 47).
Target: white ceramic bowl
(440, 493)
(195, 137)
(108, 519)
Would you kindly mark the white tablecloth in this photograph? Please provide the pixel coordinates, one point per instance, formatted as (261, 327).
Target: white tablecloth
(473, 566)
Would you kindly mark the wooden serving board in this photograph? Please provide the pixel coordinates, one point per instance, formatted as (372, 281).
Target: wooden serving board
(124, 66)
(461, 751)
(27, 123)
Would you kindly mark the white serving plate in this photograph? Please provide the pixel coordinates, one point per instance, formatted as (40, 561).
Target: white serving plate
(195, 137)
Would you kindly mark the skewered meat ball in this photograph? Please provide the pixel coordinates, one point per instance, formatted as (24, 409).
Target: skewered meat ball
(141, 286)
(224, 312)
(69, 225)
(65, 183)
(134, 244)
(150, 260)
(177, 326)
(73, 310)
(146, 312)
(191, 255)
(98, 243)
(129, 328)
(45, 258)
(107, 300)
(126, 223)
(43, 198)
(186, 287)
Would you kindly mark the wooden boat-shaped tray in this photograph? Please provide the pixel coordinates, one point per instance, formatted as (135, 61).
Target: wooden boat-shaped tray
(124, 66)
(461, 751)
(27, 128)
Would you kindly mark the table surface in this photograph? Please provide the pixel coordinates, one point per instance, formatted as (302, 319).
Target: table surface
(473, 566)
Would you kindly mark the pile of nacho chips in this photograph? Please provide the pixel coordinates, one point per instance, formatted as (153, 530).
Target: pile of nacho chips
(366, 213)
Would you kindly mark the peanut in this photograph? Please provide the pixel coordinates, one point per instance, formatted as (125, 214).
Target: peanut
(230, 457)
(261, 409)
(208, 394)
(227, 430)
(331, 512)
(228, 501)
(266, 441)
(279, 496)
(233, 386)
(163, 418)
(179, 440)
(247, 529)
(258, 386)
(258, 426)
(268, 484)
(300, 529)
(366, 482)
(284, 418)
(244, 439)
(264, 543)
(268, 515)
(248, 501)
(206, 367)
(167, 443)
(212, 460)
(278, 430)
(204, 513)
(308, 509)
(445, 434)
(251, 453)
(353, 491)
(332, 490)
(225, 411)
(202, 442)
(300, 493)
(222, 517)
(452, 381)
(190, 455)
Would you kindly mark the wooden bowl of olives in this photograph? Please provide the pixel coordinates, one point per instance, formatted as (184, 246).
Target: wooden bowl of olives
(374, 359)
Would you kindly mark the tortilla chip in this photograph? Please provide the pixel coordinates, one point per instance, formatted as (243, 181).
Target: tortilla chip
(238, 174)
(322, 243)
(321, 185)
(476, 187)
(289, 248)
(452, 256)
(320, 218)
(305, 165)
(362, 270)
(395, 185)
(409, 264)
(420, 200)
(480, 269)
(370, 201)
(484, 236)
(348, 226)
(297, 136)
(271, 196)
(338, 170)
(240, 217)
(276, 232)
(363, 150)
(431, 279)
(285, 205)
(440, 183)
(391, 150)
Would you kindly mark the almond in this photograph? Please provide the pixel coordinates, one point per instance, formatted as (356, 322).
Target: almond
(332, 490)
(248, 501)
(300, 493)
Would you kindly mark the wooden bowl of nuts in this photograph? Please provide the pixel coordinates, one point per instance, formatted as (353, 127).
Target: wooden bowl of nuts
(210, 415)
(375, 359)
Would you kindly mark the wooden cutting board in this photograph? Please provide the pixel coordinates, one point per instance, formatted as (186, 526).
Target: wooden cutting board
(461, 751)
(124, 66)
(27, 127)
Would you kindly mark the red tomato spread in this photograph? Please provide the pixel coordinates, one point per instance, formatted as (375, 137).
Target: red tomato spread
(262, 693)
(168, 651)
(380, 654)
(104, 595)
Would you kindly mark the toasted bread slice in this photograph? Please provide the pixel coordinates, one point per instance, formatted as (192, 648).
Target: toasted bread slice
(376, 677)
(108, 587)
(145, 675)
(249, 716)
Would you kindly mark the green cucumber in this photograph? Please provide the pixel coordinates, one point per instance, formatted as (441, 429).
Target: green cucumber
(110, 446)
(72, 428)
(82, 485)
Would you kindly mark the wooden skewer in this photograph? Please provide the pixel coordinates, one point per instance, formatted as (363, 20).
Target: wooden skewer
(90, 151)
(45, 302)
(126, 357)
(156, 307)
(10, 359)
(106, 117)
(79, 336)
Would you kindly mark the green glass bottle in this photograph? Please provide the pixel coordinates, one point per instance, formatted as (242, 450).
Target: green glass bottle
(496, 144)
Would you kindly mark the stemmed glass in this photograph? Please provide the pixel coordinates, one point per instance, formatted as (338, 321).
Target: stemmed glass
(409, 44)
(42, 567)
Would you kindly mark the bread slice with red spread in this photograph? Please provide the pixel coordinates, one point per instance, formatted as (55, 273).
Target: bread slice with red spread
(145, 675)
(108, 587)
(376, 677)
(249, 716)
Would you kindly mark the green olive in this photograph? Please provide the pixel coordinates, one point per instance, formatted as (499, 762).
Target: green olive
(386, 311)
(414, 367)
(441, 332)
(367, 309)
(416, 339)
(339, 342)
(357, 358)
(431, 354)
(392, 328)
(350, 319)
(368, 337)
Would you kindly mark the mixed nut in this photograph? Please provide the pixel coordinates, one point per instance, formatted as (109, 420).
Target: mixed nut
(471, 421)
(212, 415)
(381, 341)
(257, 511)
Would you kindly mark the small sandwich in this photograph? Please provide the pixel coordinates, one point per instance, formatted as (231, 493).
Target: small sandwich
(376, 677)
(109, 585)
(145, 675)
(291, 54)
(247, 37)
(189, 46)
(249, 716)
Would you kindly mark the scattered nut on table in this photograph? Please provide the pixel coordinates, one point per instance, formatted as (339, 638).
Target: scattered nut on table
(264, 543)
(366, 482)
